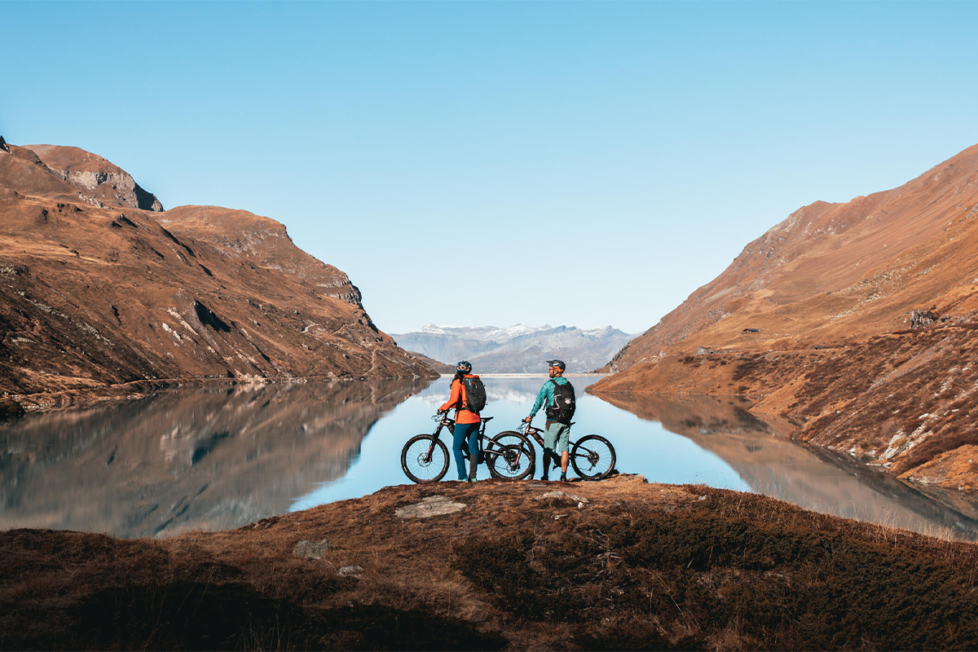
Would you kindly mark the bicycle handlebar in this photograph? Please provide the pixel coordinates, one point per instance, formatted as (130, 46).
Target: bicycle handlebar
(527, 429)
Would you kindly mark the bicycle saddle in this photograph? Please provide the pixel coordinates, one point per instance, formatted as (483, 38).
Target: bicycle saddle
(484, 419)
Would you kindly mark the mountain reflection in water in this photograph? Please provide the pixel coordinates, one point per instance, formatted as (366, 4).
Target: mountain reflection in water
(765, 458)
(214, 459)
(209, 459)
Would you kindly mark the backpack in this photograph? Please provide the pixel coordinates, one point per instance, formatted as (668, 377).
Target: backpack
(475, 394)
(562, 411)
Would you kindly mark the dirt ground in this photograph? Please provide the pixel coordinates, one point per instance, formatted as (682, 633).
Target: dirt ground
(619, 564)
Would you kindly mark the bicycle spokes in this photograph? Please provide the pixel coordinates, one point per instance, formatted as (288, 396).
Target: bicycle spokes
(424, 459)
(593, 457)
(511, 462)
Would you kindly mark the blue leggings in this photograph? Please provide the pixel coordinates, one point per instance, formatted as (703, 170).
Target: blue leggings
(463, 432)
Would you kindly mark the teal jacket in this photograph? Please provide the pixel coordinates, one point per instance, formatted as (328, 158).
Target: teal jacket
(546, 396)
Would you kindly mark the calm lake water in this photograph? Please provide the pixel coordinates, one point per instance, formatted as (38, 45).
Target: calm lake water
(216, 459)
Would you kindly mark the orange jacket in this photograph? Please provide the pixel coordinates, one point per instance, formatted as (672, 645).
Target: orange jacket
(458, 392)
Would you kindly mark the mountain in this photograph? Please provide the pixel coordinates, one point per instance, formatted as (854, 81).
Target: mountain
(99, 287)
(837, 271)
(96, 178)
(516, 349)
(440, 367)
(858, 321)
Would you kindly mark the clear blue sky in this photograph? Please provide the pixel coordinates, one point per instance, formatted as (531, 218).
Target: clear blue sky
(500, 162)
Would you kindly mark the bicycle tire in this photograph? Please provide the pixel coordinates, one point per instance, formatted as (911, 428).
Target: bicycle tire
(514, 438)
(414, 465)
(510, 456)
(528, 442)
(596, 456)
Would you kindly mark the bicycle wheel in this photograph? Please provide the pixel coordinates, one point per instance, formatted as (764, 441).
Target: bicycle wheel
(509, 455)
(424, 459)
(593, 457)
(513, 438)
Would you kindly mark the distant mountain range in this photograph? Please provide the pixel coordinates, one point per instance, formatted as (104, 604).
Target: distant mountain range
(516, 349)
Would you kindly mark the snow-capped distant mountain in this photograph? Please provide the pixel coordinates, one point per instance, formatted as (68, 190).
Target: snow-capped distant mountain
(518, 348)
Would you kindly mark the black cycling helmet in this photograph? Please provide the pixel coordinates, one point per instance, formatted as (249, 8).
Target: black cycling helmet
(464, 366)
(557, 363)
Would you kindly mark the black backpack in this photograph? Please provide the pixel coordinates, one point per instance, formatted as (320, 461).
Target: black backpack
(475, 394)
(562, 411)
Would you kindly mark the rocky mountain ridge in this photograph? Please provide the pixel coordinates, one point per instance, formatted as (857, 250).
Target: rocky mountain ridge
(95, 292)
(518, 348)
(856, 321)
(95, 177)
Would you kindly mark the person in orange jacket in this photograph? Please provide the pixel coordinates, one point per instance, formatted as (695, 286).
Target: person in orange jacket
(466, 423)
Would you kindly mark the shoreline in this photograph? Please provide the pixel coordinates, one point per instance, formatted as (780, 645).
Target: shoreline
(18, 405)
(540, 375)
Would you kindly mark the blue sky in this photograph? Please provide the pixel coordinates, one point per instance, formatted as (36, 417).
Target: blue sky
(487, 163)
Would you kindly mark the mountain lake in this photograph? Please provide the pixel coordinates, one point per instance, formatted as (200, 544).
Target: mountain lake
(222, 457)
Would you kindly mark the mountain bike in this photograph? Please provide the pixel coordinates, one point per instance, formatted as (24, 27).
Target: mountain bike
(592, 456)
(425, 458)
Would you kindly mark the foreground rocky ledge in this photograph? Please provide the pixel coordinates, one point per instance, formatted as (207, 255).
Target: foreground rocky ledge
(613, 565)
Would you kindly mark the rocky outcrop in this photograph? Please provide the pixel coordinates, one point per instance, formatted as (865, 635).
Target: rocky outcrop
(93, 295)
(96, 177)
(921, 318)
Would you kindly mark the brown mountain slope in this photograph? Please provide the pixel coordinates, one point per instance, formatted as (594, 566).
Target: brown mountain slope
(835, 271)
(440, 367)
(262, 241)
(94, 295)
(831, 292)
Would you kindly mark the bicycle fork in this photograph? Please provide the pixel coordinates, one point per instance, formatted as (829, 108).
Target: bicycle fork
(434, 441)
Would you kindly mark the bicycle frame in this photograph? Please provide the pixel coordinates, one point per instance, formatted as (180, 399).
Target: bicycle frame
(504, 458)
(446, 422)
(584, 453)
(536, 434)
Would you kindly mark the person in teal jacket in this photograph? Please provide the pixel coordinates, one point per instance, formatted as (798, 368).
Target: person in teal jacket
(556, 437)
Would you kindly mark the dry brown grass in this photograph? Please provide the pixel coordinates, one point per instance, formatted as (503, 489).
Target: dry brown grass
(639, 567)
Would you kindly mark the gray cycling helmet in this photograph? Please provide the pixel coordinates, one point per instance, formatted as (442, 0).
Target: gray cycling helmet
(557, 363)
(464, 366)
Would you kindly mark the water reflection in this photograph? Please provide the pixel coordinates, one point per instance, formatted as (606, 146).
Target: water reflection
(204, 459)
(642, 447)
(219, 459)
(771, 464)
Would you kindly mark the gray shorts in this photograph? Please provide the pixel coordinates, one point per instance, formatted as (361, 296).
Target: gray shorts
(556, 436)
